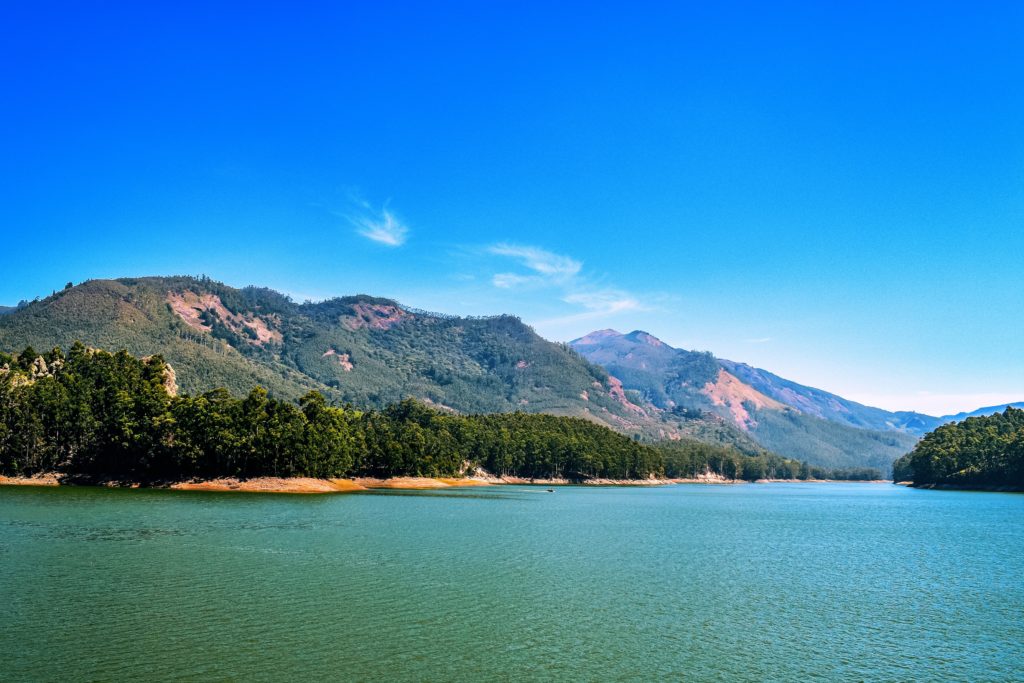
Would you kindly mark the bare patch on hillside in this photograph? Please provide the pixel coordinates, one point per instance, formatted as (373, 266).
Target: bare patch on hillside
(190, 307)
(730, 392)
(343, 359)
(616, 391)
(374, 316)
(440, 406)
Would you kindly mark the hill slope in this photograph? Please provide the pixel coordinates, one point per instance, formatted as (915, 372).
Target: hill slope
(795, 421)
(362, 350)
(828, 406)
(978, 452)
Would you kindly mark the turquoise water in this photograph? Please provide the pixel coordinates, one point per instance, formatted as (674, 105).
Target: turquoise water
(838, 582)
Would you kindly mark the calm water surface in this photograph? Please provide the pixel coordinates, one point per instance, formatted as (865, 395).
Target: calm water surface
(761, 582)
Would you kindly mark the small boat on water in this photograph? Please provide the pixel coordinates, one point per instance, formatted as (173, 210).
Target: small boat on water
(551, 490)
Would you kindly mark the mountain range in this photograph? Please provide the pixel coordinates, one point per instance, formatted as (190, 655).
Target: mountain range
(362, 350)
(369, 351)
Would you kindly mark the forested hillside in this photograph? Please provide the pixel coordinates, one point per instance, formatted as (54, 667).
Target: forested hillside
(696, 383)
(361, 350)
(371, 352)
(980, 451)
(93, 414)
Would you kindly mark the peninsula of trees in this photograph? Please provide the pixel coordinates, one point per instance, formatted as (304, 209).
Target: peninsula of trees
(92, 414)
(980, 452)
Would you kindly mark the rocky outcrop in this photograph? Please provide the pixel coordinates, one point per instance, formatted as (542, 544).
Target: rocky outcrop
(375, 316)
(196, 310)
(736, 396)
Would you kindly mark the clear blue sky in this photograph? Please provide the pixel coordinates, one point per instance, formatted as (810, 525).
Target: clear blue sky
(834, 193)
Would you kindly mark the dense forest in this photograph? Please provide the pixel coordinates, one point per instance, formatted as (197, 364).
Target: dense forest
(90, 413)
(980, 451)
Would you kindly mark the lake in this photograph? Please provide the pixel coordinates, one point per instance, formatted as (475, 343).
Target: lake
(839, 582)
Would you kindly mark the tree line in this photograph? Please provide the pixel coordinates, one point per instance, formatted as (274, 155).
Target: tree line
(980, 451)
(91, 413)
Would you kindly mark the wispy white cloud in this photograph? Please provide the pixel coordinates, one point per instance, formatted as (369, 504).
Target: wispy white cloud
(540, 261)
(380, 225)
(543, 269)
(758, 340)
(598, 304)
(606, 301)
(511, 280)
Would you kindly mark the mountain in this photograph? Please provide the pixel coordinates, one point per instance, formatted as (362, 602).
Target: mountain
(980, 412)
(362, 350)
(785, 417)
(823, 404)
(7, 309)
(838, 409)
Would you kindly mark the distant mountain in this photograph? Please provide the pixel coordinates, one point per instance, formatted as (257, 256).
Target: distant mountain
(362, 350)
(837, 409)
(7, 309)
(823, 404)
(785, 417)
(981, 412)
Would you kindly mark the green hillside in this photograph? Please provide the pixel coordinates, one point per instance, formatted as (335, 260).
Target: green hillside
(985, 451)
(90, 416)
(134, 315)
(361, 350)
(371, 352)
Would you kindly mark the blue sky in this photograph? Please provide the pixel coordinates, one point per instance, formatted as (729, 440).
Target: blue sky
(833, 193)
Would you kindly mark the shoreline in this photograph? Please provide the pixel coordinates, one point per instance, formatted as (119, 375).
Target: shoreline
(985, 488)
(310, 485)
(313, 485)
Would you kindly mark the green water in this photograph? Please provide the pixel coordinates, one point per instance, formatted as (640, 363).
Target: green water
(699, 583)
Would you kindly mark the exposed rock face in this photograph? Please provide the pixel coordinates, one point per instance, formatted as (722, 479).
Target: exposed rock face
(191, 307)
(728, 391)
(616, 391)
(344, 360)
(375, 316)
(170, 377)
(170, 380)
(39, 368)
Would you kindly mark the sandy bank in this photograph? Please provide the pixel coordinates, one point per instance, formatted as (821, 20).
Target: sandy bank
(414, 483)
(311, 485)
(271, 485)
(38, 480)
(255, 484)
